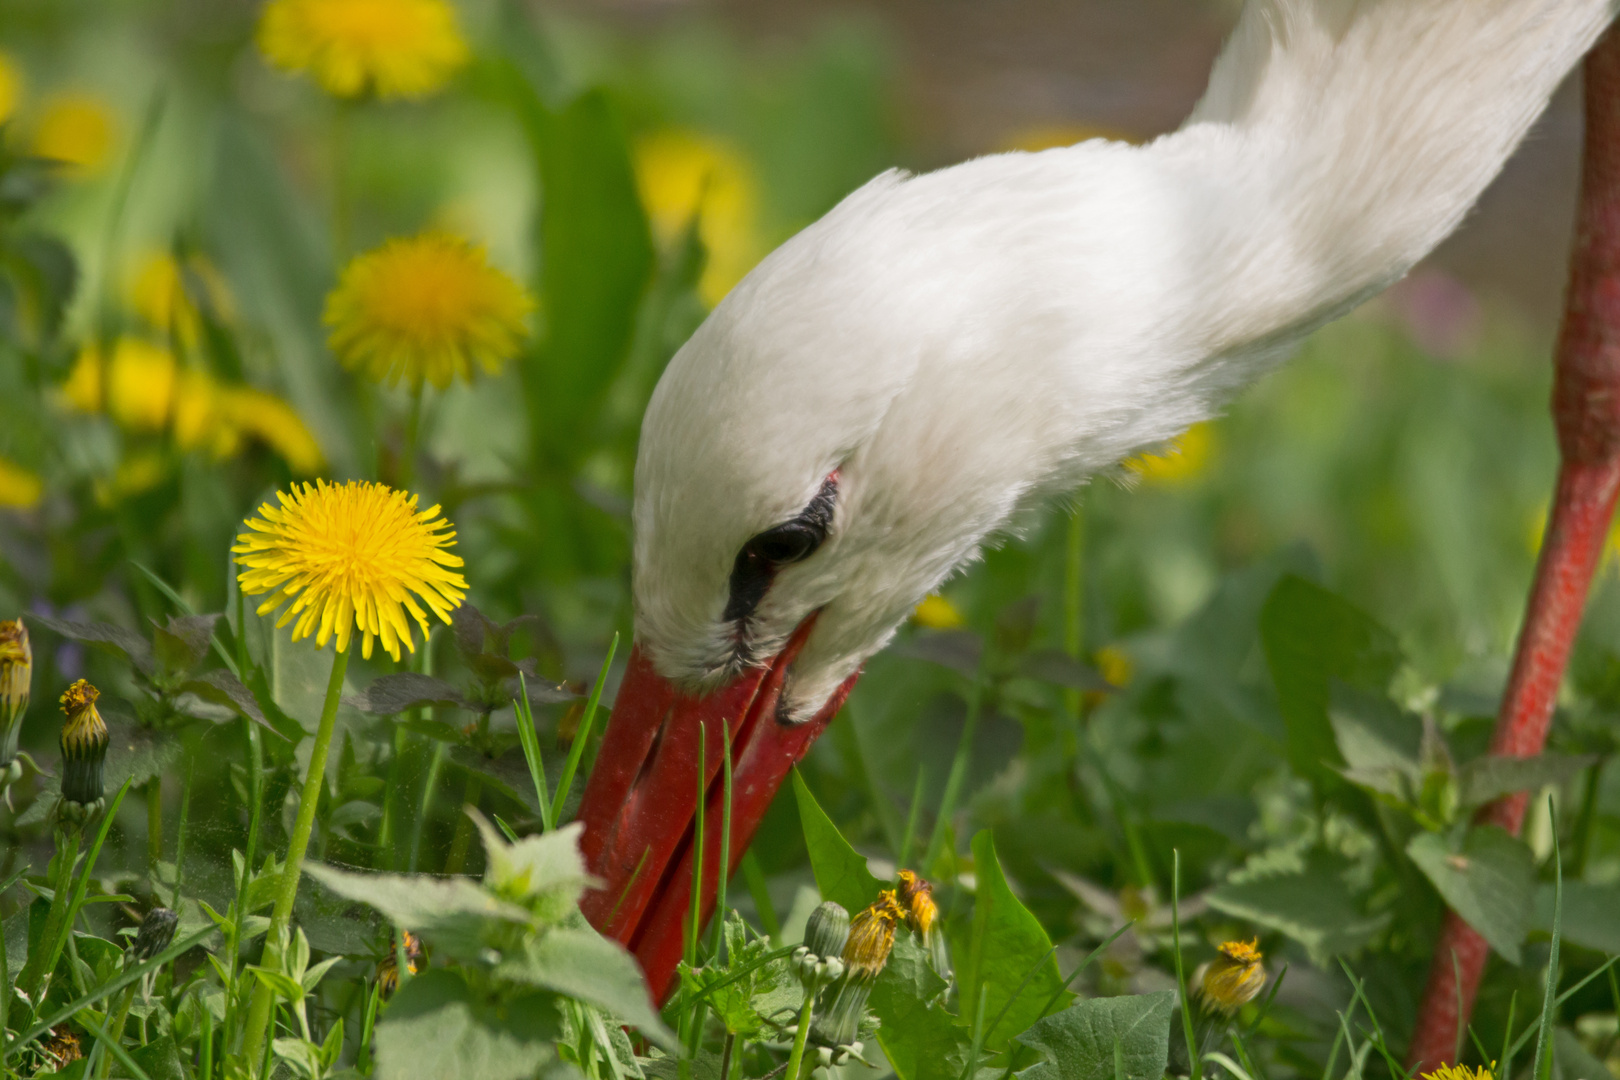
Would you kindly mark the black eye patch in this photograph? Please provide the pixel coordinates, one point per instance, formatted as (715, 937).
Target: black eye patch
(781, 545)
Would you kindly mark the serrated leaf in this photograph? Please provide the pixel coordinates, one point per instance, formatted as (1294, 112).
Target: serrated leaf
(580, 963)
(1314, 907)
(1061, 669)
(436, 1028)
(1591, 914)
(546, 873)
(841, 873)
(1009, 959)
(182, 644)
(395, 693)
(1312, 637)
(1488, 778)
(921, 1040)
(452, 914)
(115, 639)
(1079, 1042)
(222, 688)
(959, 650)
(1488, 883)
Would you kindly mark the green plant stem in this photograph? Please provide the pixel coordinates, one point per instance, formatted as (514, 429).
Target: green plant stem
(258, 1020)
(464, 827)
(120, 1016)
(1194, 1060)
(957, 777)
(154, 825)
(39, 964)
(413, 431)
(429, 788)
(796, 1059)
(1074, 555)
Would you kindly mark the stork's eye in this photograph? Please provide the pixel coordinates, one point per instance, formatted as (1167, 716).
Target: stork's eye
(782, 545)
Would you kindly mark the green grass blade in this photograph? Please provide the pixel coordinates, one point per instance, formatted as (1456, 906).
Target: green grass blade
(1181, 977)
(693, 929)
(957, 776)
(107, 989)
(723, 870)
(583, 736)
(115, 1047)
(1543, 1058)
(531, 752)
(909, 839)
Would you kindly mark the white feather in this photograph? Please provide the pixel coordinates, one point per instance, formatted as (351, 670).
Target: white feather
(961, 342)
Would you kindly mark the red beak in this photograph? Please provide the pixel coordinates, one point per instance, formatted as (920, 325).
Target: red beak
(641, 801)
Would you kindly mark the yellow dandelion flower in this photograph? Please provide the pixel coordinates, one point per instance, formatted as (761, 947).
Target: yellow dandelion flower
(84, 742)
(871, 935)
(1115, 665)
(353, 556)
(84, 386)
(393, 48)
(137, 383)
(10, 88)
(276, 424)
(76, 129)
(164, 293)
(683, 175)
(19, 488)
(430, 307)
(1233, 978)
(1461, 1072)
(16, 682)
(1185, 459)
(937, 613)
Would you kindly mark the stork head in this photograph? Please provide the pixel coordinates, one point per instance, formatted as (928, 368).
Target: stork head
(839, 435)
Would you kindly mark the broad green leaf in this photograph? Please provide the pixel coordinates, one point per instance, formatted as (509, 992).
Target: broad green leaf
(1488, 883)
(579, 962)
(436, 1028)
(1079, 1042)
(1591, 915)
(1488, 778)
(1312, 637)
(841, 873)
(453, 914)
(159, 1059)
(1314, 907)
(1572, 1061)
(545, 873)
(1009, 962)
(921, 1040)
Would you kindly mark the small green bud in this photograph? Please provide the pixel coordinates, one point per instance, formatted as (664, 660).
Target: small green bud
(827, 930)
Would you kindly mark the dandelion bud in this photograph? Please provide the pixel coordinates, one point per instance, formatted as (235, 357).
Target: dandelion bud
(866, 951)
(827, 930)
(156, 933)
(62, 1048)
(84, 751)
(917, 898)
(388, 966)
(1233, 978)
(16, 676)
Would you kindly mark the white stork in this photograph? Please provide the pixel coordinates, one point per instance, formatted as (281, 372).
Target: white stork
(885, 390)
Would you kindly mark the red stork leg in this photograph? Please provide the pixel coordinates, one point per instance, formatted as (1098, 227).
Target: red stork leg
(1586, 412)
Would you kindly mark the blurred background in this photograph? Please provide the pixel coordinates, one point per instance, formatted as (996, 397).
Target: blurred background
(206, 203)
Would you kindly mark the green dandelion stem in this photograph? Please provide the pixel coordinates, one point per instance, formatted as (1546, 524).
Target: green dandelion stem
(796, 1059)
(281, 915)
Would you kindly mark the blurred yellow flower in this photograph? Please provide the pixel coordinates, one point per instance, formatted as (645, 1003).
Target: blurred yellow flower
(393, 48)
(346, 557)
(1114, 664)
(162, 294)
(1462, 1072)
(19, 488)
(277, 425)
(76, 129)
(145, 389)
(139, 472)
(430, 307)
(681, 175)
(139, 383)
(10, 87)
(937, 613)
(1186, 458)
